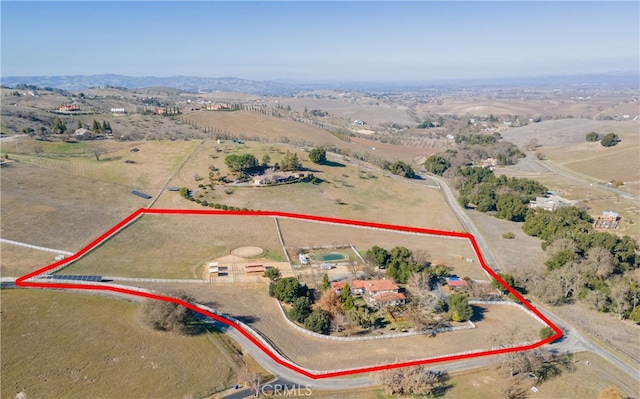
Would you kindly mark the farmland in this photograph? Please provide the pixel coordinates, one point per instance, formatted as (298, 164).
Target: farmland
(61, 344)
(58, 195)
(58, 210)
(346, 191)
(186, 242)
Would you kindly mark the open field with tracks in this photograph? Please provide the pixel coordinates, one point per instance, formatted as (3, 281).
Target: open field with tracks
(621, 162)
(62, 344)
(240, 301)
(177, 246)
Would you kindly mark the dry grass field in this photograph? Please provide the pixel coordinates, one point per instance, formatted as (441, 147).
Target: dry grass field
(240, 301)
(155, 161)
(58, 210)
(254, 125)
(17, 261)
(591, 374)
(70, 345)
(298, 233)
(566, 131)
(511, 254)
(621, 162)
(177, 246)
(346, 191)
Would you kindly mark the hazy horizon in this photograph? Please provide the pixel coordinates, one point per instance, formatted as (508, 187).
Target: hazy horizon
(320, 41)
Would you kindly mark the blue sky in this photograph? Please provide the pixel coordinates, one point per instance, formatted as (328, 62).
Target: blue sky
(320, 41)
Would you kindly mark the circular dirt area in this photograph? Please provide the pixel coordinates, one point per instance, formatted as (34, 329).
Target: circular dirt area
(247, 252)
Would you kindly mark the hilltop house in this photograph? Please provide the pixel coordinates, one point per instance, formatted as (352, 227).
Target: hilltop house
(374, 292)
(69, 108)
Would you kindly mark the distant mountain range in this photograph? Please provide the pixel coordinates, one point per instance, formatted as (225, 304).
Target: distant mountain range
(196, 84)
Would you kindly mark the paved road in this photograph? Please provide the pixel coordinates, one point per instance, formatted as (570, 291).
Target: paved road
(573, 341)
(467, 223)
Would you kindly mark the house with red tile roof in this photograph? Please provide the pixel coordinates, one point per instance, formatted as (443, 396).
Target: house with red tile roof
(375, 292)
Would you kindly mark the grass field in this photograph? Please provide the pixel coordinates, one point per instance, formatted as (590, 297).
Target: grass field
(70, 345)
(58, 210)
(254, 125)
(155, 161)
(590, 376)
(176, 246)
(239, 301)
(17, 261)
(621, 162)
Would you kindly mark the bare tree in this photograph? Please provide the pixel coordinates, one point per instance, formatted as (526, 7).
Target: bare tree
(620, 295)
(513, 388)
(98, 150)
(413, 381)
(169, 316)
(600, 262)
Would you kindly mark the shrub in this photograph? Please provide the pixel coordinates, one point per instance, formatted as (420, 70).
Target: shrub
(609, 140)
(593, 136)
(318, 155)
(508, 236)
(546, 332)
(169, 316)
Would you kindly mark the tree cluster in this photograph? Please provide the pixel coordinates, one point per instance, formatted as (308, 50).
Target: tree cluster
(399, 263)
(459, 307)
(318, 155)
(437, 164)
(170, 316)
(412, 381)
(402, 169)
(592, 137)
(291, 162)
(287, 289)
(243, 163)
(98, 128)
(583, 264)
(507, 196)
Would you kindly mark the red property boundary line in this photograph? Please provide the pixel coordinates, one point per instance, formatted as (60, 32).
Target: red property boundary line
(22, 282)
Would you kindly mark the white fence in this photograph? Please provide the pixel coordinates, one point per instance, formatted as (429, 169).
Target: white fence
(37, 247)
(373, 337)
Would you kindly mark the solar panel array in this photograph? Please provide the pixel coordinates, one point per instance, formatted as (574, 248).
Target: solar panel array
(73, 277)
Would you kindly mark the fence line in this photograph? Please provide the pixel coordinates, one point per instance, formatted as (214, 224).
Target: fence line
(156, 280)
(39, 248)
(65, 264)
(357, 253)
(281, 239)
